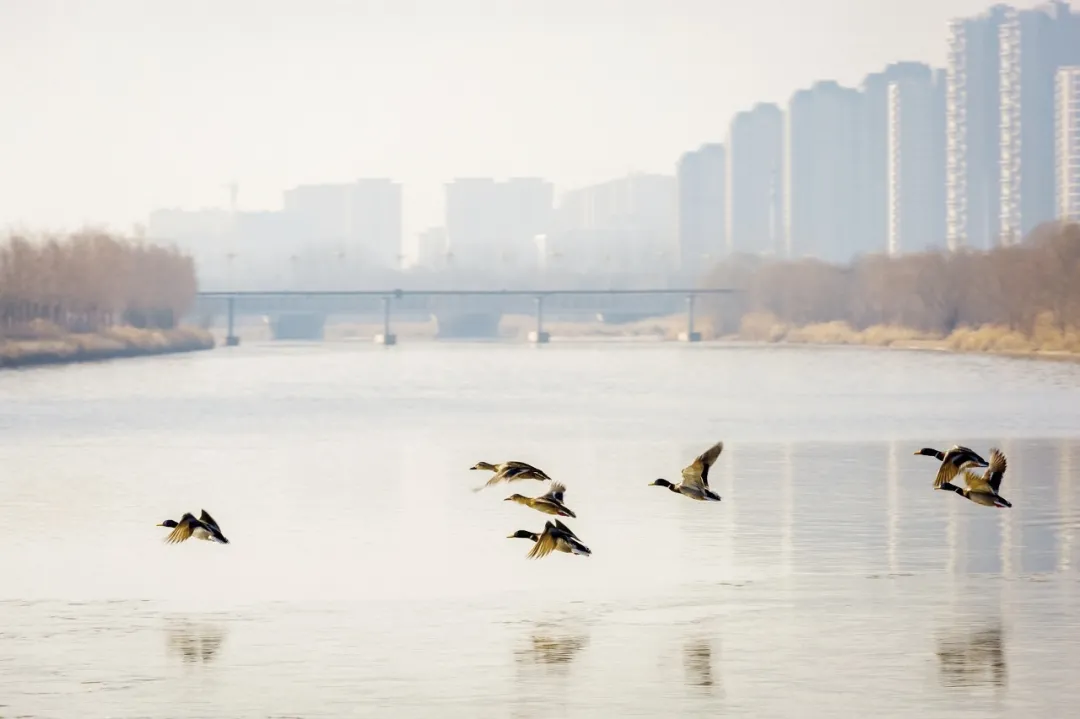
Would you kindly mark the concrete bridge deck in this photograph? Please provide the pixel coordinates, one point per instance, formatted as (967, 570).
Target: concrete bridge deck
(459, 313)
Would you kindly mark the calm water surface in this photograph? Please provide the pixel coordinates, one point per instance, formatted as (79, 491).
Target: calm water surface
(365, 578)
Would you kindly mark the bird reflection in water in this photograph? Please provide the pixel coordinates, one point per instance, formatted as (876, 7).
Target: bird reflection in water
(977, 658)
(697, 662)
(552, 650)
(195, 643)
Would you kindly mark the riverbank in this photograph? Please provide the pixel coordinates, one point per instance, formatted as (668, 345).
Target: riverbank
(112, 343)
(1047, 341)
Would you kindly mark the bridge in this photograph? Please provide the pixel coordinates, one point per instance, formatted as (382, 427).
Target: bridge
(301, 314)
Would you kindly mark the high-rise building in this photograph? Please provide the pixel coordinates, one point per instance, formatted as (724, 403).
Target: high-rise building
(491, 225)
(822, 172)
(525, 206)
(872, 212)
(472, 223)
(431, 248)
(1033, 45)
(701, 175)
(972, 130)
(916, 163)
(361, 220)
(1068, 143)
(624, 225)
(755, 158)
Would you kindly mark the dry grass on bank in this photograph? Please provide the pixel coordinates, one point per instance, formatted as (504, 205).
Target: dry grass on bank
(51, 344)
(1047, 337)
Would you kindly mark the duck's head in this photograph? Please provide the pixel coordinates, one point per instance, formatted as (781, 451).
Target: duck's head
(482, 465)
(927, 452)
(515, 498)
(168, 523)
(661, 483)
(523, 534)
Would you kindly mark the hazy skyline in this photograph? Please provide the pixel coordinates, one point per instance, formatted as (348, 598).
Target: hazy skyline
(115, 108)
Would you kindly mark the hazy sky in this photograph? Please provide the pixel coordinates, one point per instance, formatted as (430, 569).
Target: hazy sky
(111, 108)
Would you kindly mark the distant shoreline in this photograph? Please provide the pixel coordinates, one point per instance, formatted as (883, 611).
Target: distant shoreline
(113, 343)
(1046, 343)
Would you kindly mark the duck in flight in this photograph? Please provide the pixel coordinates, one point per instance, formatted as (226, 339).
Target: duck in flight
(984, 489)
(511, 472)
(952, 461)
(202, 528)
(695, 478)
(550, 503)
(555, 537)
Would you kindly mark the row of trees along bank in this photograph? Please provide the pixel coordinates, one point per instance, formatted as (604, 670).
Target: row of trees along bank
(89, 281)
(1018, 289)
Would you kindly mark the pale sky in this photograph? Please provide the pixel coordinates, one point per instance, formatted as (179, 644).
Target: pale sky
(111, 108)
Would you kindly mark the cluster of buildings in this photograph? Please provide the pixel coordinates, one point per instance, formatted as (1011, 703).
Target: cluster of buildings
(322, 234)
(972, 155)
(975, 154)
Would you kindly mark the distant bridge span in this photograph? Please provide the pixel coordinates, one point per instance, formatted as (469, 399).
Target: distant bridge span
(459, 313)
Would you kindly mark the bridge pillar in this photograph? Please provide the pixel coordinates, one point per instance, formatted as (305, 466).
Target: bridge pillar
(690, 335)
(231, 340)
(538, 336)
(387, 337)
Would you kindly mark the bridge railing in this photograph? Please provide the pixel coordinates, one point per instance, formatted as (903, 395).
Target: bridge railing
(528, 301)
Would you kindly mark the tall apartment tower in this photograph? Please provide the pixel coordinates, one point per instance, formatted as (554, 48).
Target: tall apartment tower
(873, 208)
(916, 163)
(972, 130)
(1068, 143)
(702, 222)
(822, 172)
(1033, 45)
(754, 165)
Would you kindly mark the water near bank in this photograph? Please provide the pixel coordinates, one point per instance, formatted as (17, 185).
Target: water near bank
(365, 578)
(112, 343)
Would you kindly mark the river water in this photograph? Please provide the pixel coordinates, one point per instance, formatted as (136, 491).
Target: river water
(365, 578)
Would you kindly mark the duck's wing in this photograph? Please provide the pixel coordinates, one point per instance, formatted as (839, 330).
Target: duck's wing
(535, 471)
(558, 489)
(504, 475)
(544, 545)
(976, 483)
(946, 473)
(184, 528)
(698, 472)
(996, 470)
(206, 519)
(566, 530)
(961, 455)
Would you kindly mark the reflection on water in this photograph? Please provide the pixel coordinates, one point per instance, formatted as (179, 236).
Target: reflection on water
(973, 657)
(195, 642)
(546, 647)
(697, 661)
(835, 575)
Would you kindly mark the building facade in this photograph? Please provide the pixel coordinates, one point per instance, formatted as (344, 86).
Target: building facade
(1033, 45)
(822, 171)
(873, 207)
(916, 164)
(755, 183)
(360, 220)
(702, 222)
(1067, 186)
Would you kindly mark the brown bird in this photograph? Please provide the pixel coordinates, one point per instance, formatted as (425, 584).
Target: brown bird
(952, 461)
(555, 537)
(550, 503)
(202, 528)
(984, 490)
